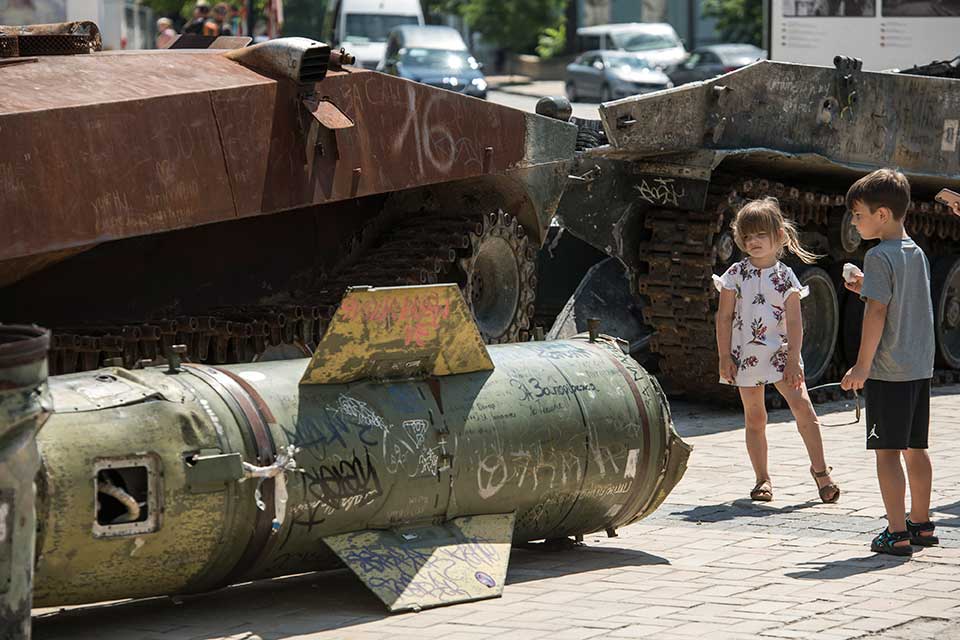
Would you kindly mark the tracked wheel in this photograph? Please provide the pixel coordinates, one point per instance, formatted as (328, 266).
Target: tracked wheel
(498, 278)
(945, 288)
(821, 322)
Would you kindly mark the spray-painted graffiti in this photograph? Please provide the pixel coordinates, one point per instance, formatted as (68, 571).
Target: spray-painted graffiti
(418, 318)
(526, 467)
(663, 191)
(434, 573)
(534, 389)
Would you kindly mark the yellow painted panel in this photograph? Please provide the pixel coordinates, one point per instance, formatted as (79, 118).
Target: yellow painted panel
(398, 332)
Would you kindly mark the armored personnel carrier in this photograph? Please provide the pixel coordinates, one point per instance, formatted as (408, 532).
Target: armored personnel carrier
(223, 198)
(668, 171)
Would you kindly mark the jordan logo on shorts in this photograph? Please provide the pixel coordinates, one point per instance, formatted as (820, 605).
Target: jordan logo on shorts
(873, 433)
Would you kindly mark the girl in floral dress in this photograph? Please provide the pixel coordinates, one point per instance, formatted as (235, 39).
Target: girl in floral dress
(759, 336)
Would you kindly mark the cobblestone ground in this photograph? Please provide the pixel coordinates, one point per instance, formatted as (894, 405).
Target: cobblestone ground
(709, 563)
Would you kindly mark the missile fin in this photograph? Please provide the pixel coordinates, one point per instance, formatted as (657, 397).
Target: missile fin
(418, 567)
(398, 332)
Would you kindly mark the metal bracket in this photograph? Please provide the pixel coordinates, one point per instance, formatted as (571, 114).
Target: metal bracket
(210, 469)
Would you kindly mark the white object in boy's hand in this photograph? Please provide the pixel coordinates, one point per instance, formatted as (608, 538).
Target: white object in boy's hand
(851, 272)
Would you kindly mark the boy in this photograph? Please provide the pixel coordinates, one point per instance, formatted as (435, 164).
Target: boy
(895, 362)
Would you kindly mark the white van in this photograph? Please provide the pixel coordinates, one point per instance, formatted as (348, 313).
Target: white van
(362, 26)
(656, 42)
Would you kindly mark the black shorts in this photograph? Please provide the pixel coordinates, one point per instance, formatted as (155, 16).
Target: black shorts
(898, 414)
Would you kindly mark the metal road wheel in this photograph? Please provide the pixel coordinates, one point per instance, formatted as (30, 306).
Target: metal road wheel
(945, 289)
(821, 321)
(499, 278)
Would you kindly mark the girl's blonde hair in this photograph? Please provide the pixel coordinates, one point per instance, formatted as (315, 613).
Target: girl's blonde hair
(764, 216)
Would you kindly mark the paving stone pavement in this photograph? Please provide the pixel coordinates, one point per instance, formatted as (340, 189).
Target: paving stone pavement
(709, 563)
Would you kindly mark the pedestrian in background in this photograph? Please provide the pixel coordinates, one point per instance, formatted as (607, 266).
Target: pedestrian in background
(760, 336)
(895, 363)
(221, 12)
(201, 24)
(165, 33)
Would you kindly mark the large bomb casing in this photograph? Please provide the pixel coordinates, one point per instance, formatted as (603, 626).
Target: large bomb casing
(419, 484)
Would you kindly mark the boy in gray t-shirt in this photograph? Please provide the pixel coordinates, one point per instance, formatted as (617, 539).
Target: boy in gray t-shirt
(895, 362)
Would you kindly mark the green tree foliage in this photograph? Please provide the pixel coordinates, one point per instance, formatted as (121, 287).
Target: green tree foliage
(552, 41)
(737, 20)
(515, 25)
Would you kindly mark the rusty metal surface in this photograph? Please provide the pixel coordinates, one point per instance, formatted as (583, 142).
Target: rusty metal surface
(177, 139)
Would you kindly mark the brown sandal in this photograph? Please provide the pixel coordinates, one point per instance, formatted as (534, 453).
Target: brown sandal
(826, 489)
(763, 492)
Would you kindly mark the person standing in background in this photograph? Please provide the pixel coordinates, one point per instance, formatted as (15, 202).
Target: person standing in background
(165, 33)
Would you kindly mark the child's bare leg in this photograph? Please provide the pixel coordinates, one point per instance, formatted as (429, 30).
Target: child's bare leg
(920, 474)
(892, 489)
(808, 424)
(755, 420)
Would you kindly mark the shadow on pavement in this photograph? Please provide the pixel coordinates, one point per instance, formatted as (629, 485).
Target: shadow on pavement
(839, 569)
(743, 508)
(291, 606)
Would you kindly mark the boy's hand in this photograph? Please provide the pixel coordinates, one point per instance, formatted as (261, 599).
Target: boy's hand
(728, 368)
(793, 373)
(855, 284)
(955, 208)
(854, 379)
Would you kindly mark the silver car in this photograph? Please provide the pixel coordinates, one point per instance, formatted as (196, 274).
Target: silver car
(608, 75)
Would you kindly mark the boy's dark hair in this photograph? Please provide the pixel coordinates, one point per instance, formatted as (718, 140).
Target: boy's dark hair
(883, 188)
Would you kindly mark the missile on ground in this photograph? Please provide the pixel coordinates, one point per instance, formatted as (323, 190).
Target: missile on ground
(405, 449)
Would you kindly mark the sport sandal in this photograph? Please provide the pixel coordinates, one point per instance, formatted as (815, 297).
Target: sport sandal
(832, 489)
(917, 538)
(886, 541)
(763, 492)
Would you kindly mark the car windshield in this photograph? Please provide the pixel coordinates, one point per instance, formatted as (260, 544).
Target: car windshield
(627, 63)
(438, 59)
(646, 41)
(373, 27)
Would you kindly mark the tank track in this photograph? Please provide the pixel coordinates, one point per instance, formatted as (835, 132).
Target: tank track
(680, 258)
(417, 249)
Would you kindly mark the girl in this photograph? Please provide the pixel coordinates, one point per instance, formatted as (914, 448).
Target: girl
(759, 335)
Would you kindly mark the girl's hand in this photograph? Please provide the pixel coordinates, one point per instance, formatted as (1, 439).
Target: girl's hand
(793, 373)
(855, 285)
(728, 369)
(955, 208)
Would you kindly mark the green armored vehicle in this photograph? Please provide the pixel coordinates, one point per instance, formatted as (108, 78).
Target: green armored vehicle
(668, 171)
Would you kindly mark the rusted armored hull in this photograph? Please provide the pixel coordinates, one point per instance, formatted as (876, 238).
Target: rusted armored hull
(175, 164)
(109, 146)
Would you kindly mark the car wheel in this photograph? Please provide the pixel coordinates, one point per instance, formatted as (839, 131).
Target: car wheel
(606, 95)
(571, 91)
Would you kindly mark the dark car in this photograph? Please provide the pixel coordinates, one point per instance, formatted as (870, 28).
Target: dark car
(608, 75)
(434, 55)
(711, 61)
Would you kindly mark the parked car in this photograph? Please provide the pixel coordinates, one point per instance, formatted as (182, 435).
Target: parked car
(608, 75)
(707, 62)
(656, 41)
(434, 55)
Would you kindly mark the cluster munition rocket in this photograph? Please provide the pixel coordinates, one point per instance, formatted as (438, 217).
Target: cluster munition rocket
(405, 449)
